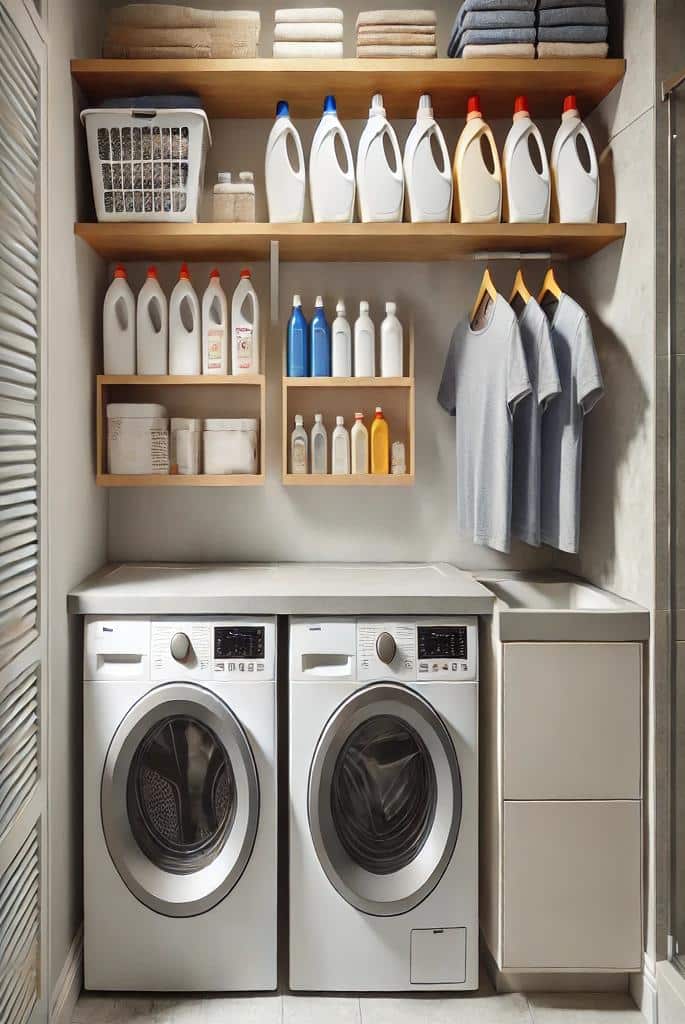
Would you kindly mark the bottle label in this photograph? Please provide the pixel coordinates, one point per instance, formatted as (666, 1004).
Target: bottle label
(216, 341)
(244, 346)
(299, 456)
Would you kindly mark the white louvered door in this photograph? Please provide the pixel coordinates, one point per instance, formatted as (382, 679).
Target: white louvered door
(23, 889)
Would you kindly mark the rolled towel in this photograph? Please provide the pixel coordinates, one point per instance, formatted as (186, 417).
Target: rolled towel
(284, 51)
(555, 50)
(307, 14)
(520, 50)
(171, 16)
(496, 19)
(573, 34)
(408, 17)
(545, 4)
(364, 30)
(381, 38)
(489, 35)
(397, 51)
(309, 32)
(574, 16)
(114, 52)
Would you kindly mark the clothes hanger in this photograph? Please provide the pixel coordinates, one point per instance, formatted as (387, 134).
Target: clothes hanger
(519, 290)
(487, 288)
(549, 286)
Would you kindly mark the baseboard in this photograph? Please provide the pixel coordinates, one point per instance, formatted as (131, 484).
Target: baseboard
(553, 981)
(643, 991)
(671, 993)
(69, 984)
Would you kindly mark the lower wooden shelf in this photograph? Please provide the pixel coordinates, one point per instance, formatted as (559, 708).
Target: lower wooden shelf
(176, 480)
(348, 480)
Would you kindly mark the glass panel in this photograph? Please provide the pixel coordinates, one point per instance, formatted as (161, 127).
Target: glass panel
(383, 794)
(181, 795)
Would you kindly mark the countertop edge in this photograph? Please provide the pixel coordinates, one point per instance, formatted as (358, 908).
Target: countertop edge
(92, 604)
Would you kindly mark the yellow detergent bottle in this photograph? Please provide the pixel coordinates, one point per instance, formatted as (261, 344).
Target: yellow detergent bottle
(380, 443)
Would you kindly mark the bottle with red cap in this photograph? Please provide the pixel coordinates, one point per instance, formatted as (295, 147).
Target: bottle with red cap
(214, 327)
(477, 181)
(575, 170)
(185, 333)
(119, 325)
(152, 334)
(526, 177)
(245, 327)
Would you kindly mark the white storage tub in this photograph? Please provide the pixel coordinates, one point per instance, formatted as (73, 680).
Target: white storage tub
(185, 445)
(137, 438)
(147, 164)
(230, 446)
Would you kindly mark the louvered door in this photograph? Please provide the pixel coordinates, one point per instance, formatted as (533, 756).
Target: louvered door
(22, 739)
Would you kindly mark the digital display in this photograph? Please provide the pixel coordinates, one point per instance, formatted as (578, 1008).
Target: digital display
(238, 642)
(442, 642)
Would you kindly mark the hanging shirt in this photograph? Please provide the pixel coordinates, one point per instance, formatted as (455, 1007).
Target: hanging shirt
(485, 377)
(562, 424)
(544, 380)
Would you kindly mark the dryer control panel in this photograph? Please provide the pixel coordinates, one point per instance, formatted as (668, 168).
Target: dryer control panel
(418, 649)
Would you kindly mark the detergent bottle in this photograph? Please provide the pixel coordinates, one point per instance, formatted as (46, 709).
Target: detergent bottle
(319, 446)
(298, 343)
(285, 183)
(576, 187)
(340, 448)
(380, 186)
(298, 447)
(245, 326)
(319, 342)
(331, 186)
(380, 443)
(185, 331)
(429, 187)
(527, 182)
(392, 343)
(214, 327)
(341, 343)
(119, 325)
(359, 443)
(152, 327)
(478, 187)
(364, 343)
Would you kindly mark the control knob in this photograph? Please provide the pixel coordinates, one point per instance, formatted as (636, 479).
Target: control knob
(180, 646)
(386, 648)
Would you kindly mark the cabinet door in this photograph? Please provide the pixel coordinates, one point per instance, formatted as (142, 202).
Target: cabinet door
(572, 886)
(572, 721)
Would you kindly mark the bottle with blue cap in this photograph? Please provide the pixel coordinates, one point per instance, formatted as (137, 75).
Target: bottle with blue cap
(331, 186)
(285, 181)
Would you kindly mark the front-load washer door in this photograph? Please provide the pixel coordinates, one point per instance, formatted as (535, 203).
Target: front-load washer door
(180, 800)
(384, 799)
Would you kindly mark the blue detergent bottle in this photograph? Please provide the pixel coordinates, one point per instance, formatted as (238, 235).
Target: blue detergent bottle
(298, 348)
(319, 342)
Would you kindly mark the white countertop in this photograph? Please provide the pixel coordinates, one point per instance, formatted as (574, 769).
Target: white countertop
(281, 588)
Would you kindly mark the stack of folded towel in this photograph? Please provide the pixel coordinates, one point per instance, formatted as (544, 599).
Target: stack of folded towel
(494, 28)
(140, 31)
(572, 28)
(409, 33)
(308, 32)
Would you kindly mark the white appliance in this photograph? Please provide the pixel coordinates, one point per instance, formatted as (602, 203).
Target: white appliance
(384, 804)
(180, 803)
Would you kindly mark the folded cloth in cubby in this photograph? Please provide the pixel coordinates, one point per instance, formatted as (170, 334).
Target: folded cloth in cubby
(322, 49)
(300, 15)
(408, 33)
(482, 23)
(396, 51)
(520, 50)
(577, 50)
(572, 34)
(496, 19)
(308, 32)
(573, 16)
(500, 5)
(167, 30)
(545, 4)
(395, 17)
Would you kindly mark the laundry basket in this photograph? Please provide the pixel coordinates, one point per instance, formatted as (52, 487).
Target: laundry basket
(147, 164)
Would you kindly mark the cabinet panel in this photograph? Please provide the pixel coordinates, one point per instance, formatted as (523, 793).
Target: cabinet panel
(572, 721)
(572, 886)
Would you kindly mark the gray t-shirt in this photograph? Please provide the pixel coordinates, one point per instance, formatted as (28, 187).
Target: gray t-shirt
(562, 424)
(485, 376)
(544, 380)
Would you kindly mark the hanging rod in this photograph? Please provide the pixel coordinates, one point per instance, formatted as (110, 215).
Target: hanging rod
(520, 256)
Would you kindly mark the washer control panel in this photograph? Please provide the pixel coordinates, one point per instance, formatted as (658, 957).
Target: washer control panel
(418, 649)
(233, 650)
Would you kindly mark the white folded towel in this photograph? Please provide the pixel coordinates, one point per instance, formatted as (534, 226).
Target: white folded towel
(300, 14)
(324, 50)
(309, 32)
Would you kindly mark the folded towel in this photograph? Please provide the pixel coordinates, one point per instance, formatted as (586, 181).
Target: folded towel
(239, 40)
(495, 19)
(573, 34)
(553, 50)
(499, 5)
(171, 16)
(323, 50)
(474, 36)
(396, 39)
(114, 52)
(365, 30)
(574, 16)
(302, 14)
(308, 32)
(521, 50)
(545, 4)
(396, 51)
(408, 17)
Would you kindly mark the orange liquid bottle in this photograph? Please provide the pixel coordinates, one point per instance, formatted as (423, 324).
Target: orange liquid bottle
(380, 444)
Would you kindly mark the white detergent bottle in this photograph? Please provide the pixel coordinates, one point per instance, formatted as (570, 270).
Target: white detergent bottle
(380, 186)
(214, 327)
(429, 186)
(359, 443)
(340, 448)
(119, 325)
(576, 187)
(298, 448)
(364, 343)
(319, 446)
(152, 327)
(245, 326)
(392, 343)
(477, 183)
(527, 181)
(185, 328)
(285, 183)
(341, 344)
(331, 186)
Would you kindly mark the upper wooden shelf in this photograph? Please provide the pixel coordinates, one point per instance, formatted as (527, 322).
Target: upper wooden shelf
(342, 242)
(250, 88)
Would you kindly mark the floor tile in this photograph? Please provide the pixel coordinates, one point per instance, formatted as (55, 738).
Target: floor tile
(265, 1009)
(321, 1010)
(476, 1009)
(584, 1008)
(113, 1008)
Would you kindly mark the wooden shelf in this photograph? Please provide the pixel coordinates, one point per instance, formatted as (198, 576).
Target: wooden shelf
(342, 242)
(350, 480)
(206, 380)
(348, 382)
(251, 88)
(175, 480)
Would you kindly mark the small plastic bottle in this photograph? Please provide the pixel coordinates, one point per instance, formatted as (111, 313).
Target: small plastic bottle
(319, 446)
(392, 343)
(380, 444)
(359, 442)
(298, 343)
(364, 343)
(341, 343)
(298, 448)
(340, 449)
(319, 342)
(245, 327)
(214, 327)
(398, 459)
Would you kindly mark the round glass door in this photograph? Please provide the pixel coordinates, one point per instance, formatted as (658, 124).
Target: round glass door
(385, 799)
(180, 800)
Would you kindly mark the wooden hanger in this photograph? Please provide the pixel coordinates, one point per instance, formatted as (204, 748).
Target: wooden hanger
(549, 286)
(519, 289)
(487, 288)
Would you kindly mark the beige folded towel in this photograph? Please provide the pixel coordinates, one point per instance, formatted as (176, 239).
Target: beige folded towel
(396, 39)
(409, 17)
(284, 51)
(171, 16)
(157, 52)
(546, 50)
(365, 30)
(396, 51)
(300, 14)
(477, 51)
(239, 40)
(312, 32)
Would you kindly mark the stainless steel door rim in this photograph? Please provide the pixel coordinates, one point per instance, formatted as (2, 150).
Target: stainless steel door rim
(165, 892)
(394, 893)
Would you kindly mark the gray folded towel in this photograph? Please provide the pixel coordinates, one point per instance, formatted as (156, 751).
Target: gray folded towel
(501, 5)
(497, 19)
(573, 34)
(574, 16)
(474, 36)
(546, 4)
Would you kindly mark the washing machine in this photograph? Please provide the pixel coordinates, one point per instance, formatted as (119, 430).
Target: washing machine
(383, 804)
(180, 804)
